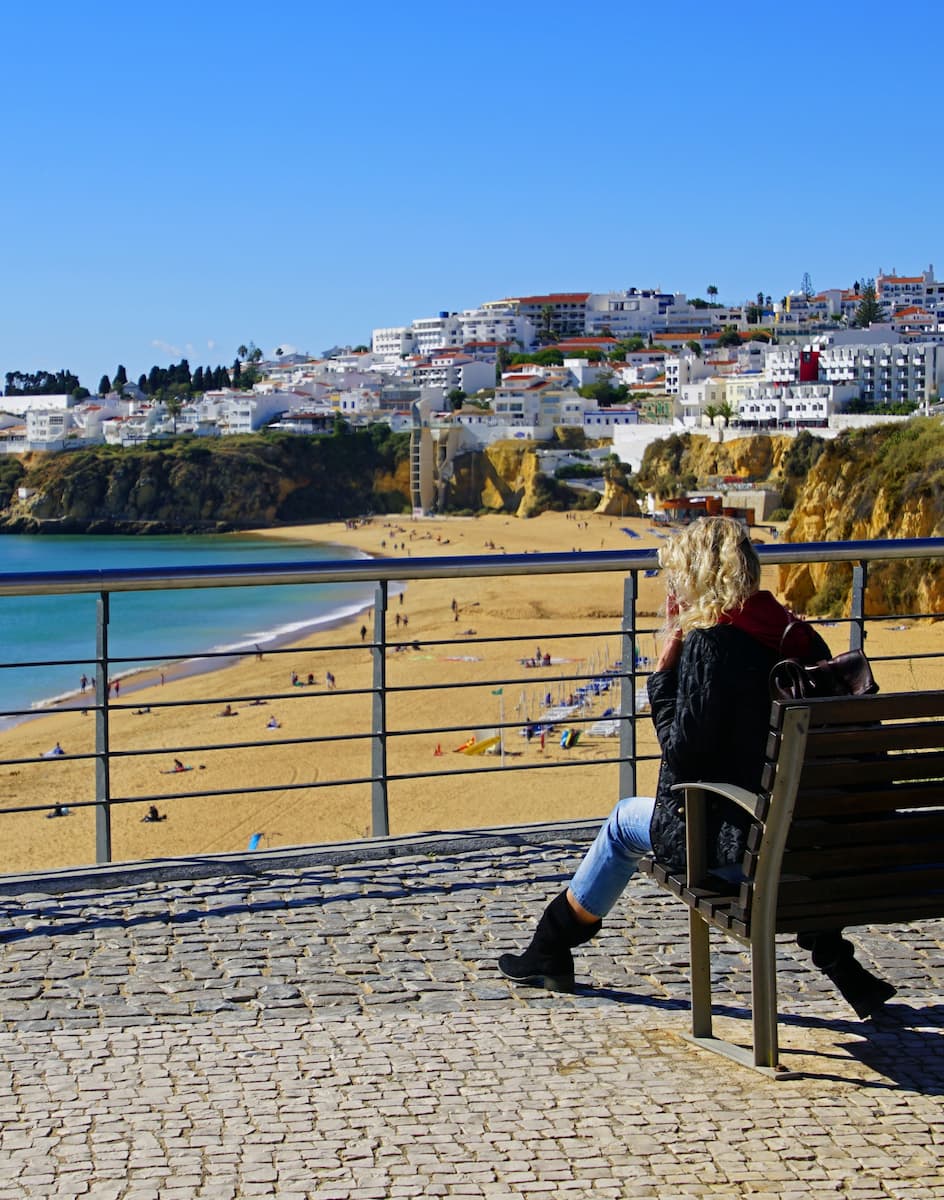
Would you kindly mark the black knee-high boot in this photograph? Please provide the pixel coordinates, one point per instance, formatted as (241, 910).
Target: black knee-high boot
(835, 957)
(547, 962)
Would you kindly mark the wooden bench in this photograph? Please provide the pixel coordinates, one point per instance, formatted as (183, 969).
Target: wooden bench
(849, 831)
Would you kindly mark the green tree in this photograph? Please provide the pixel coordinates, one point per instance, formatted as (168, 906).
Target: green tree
(242, 352)
(456, 398)
(120, 378)
(695, 346)
(753, 314)
(546, 330)
(712, 291)
(104, 386)
(869, 311)
(806, 285)
(174, 404)
(729, 336)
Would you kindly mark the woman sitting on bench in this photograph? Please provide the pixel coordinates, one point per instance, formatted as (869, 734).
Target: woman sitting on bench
(710, 702)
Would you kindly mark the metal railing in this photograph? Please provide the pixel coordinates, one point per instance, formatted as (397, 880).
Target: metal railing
(620, 677)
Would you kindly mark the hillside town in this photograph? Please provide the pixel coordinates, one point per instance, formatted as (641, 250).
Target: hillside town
(621, 367)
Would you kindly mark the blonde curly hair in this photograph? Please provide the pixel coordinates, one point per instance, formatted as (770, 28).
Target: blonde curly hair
(711, 568)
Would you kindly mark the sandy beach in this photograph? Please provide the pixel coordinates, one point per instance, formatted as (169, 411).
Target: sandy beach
(180, 719)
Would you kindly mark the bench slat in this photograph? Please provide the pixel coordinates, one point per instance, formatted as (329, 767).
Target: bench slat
(855, 740)
(856, 710)
(925, 880)
(840, 803)
(897, 851)
(818, 831)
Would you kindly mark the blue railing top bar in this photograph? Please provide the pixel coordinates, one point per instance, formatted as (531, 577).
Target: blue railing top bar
(372, 569)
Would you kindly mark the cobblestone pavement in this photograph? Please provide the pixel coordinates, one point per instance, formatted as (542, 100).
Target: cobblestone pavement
(340, 1031)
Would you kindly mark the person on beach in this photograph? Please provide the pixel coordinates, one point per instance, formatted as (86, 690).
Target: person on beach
(59, 811)
(709, 699)
(228, 711)
(153, 815)
(56, 752)
(329, 680)
(273, 723)
(178, 765)
(83, 684)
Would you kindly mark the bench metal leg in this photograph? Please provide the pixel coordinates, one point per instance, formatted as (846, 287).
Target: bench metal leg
(763, 1057)
(700, 953)
(764, 999)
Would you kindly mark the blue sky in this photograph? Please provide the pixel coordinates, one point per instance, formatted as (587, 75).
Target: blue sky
(181, 177)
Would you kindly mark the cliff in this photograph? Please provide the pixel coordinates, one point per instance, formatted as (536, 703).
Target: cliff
(193, 485)
(884, 482)
(698, 459)
(507, 477)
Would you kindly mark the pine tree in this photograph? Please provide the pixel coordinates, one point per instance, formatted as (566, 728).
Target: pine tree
(869, 310)
(104, 386)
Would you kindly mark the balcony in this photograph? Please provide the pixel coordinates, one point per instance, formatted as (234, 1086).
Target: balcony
(325, 1020)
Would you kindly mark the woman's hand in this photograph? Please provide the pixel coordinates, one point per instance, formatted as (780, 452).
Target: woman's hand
(671, 652)
(672, 648)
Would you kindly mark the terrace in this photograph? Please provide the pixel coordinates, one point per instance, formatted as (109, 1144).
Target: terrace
(326, 1020)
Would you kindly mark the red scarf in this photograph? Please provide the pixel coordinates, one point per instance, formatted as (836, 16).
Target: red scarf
(765, 619)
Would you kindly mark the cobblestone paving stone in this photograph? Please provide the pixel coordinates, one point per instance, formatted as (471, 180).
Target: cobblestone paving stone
(340, 1033)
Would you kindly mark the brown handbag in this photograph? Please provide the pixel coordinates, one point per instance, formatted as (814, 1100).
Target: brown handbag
(848, 674)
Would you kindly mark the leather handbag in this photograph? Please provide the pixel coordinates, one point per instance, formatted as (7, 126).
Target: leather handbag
(848, 674)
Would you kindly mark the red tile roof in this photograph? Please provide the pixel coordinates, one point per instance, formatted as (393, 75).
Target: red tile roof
(554, 298)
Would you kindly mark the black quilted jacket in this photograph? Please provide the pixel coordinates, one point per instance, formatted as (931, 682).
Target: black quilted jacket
(711, 717)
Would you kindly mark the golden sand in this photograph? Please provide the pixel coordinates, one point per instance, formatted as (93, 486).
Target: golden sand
(537, 610)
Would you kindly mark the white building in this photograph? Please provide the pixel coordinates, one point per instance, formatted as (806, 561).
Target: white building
(886, 373)
(20, 405)
(496, 324)
(396, 341)
(451, 369)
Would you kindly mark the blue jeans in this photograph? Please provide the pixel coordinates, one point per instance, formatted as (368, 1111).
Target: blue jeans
(610, 862)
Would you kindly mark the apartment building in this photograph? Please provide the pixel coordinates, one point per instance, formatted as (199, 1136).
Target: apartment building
(564, 314)
(886, 373)
(895, 291)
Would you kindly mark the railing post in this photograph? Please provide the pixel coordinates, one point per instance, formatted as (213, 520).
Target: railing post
(857, 606)
(379, 813)
(102, 764)
(627, 769)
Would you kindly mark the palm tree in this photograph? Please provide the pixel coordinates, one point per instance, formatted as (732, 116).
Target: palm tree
(712, 290)
(242, 352)
(174, 405)
(711, 411)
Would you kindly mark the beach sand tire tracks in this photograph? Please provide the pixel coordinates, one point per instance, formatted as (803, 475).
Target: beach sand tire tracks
(277, 805)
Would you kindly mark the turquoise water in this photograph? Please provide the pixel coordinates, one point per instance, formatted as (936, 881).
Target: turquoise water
(153, 624)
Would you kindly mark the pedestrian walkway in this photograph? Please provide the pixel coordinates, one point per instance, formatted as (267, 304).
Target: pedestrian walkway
(334, 1027)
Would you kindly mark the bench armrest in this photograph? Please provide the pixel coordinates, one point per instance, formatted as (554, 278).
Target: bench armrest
(696, 824)
(742, 797)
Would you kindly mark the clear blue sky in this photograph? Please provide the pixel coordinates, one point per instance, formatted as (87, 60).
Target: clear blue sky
(183, 176)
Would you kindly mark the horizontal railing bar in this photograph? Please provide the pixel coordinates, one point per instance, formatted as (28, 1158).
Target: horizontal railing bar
(334, 648)
(119, 579)
(314, 739)
(324, 783)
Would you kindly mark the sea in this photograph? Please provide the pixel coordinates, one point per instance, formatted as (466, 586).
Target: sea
(159, 624)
